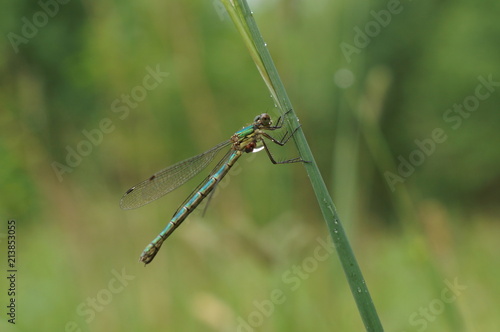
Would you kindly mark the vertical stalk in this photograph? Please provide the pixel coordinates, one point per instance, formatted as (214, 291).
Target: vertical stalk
(243, 19)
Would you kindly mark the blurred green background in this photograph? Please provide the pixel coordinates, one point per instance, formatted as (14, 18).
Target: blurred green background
(395, 102)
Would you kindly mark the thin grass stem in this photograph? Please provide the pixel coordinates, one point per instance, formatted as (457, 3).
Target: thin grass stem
(242, 17)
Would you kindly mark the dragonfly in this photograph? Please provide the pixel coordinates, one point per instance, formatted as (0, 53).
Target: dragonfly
(251, 138)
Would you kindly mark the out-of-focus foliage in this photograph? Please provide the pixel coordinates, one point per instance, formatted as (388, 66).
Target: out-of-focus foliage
(97, 96)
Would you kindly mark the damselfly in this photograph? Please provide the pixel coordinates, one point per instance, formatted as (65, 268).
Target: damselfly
(249, 139)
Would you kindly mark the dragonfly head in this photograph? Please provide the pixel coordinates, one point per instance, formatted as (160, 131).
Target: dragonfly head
(263, 120)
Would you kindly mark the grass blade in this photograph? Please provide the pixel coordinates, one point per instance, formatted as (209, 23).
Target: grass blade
(243, 19)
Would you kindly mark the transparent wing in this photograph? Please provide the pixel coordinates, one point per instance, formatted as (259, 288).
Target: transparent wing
(168, 179)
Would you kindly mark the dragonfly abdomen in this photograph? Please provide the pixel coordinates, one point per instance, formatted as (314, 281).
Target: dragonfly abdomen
(152, 249)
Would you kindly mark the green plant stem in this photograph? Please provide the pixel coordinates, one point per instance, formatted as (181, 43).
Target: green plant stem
(243, 19)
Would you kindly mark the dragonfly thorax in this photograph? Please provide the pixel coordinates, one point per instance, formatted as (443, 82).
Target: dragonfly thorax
(249, 147)
(247, 140)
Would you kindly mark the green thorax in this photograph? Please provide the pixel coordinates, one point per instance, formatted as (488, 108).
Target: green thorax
(246, 131)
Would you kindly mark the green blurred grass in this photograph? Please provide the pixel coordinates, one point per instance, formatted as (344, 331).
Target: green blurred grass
(210, 273)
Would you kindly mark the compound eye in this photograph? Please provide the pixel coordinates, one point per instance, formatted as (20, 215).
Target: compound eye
(265, 119)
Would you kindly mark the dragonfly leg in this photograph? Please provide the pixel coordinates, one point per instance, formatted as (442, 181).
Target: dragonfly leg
(279, 122)
(289, 161)
(283, 140)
